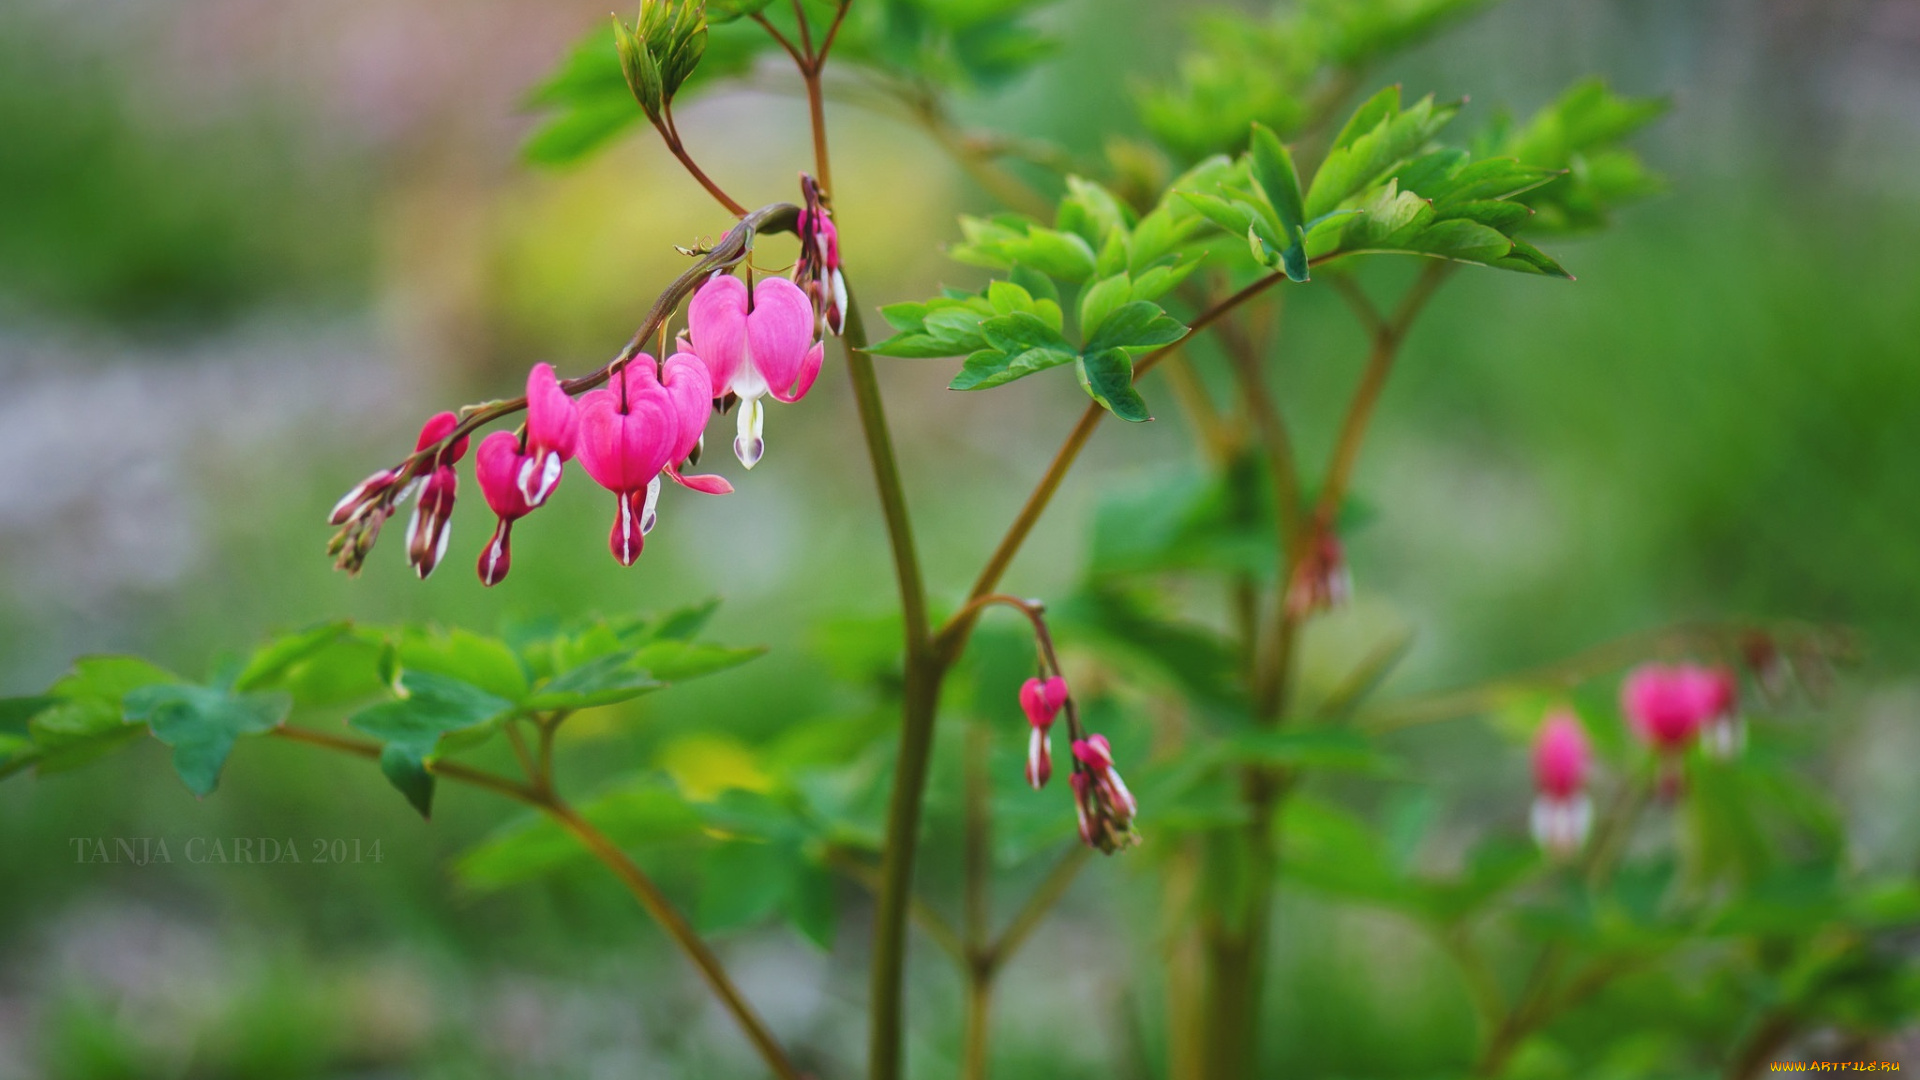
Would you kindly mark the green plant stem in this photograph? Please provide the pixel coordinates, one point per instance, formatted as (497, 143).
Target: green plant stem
(1387, 337)
(931, 922)
(920, 700)
(975, 864)
(1038, 904)
(669, 918)
(671, 135)
(651, 899)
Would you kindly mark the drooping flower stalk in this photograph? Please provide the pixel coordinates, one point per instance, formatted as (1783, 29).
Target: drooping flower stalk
(431, 524)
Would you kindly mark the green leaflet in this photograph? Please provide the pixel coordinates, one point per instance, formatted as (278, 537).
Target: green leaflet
(202, 723)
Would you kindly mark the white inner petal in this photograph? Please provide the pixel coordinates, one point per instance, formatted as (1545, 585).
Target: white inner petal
(648, 516)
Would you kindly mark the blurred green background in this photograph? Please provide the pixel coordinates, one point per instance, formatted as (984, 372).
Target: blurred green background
(245, 247)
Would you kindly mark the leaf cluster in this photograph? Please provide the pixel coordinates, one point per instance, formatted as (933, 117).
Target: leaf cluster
(1115, 264)
(421, 692)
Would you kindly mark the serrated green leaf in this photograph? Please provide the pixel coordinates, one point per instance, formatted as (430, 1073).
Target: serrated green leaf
(1101, 299)
(989, 368)
(461, 655)
(1355, 166)
(1020, 332)
(1136, 325)
(202, 723)
(412, 726)
(678, 661)
(272, 664)
(1107, 376)
(1273, 170)
(605, 681)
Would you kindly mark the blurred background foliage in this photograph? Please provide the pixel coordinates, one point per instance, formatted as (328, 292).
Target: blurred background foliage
(246, 246)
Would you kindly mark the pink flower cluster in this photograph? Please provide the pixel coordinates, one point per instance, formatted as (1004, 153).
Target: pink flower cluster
(645, 424)
(1105, 806)
(1667, 708)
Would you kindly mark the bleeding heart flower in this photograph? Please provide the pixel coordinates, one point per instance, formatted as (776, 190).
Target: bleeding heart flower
(1041, 701)
(1562, 813)
(553, 426)
(1665, 706)
(753, 347)
(1105, 807)
(1722, 733)
(632, 430)
(690, 385)
(499, 464)
(431, 524)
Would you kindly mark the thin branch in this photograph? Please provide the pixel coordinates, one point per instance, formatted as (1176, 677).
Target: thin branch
(953, 636)
(833, 31)
(671, 136)
(527, 764)
(664, 913)
(1566, 673)
(1386, 345)
(452, 770)
(806, 36)
(931, 922)
(1044, 897)
(799, 58)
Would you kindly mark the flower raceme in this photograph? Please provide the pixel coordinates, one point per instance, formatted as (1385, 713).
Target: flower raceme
(1106, 808)
(1562, 813)
(1042, 701)
(639, 427)
(818, 271)
(755, 344)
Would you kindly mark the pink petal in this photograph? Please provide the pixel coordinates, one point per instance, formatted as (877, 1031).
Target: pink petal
(780, 333)
(705, 483)
(809, 370)
(628, 538)
(496, 558)
(717, 328)
(497, 465)
(690, 385)
(553, 420)
(623, 450)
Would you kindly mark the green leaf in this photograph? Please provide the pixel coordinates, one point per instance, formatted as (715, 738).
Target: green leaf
(271, 664)
(745, 882)
(1107, 377)
(202, 723)
(678, 661)
(411, 727)
(1354, 166)
(1021, 331)
(1136, 325)
(461, 655)
(989, 368)
(1273, 169)
(1100, 299)
(643, 812)
(811, 904)
(604, 681)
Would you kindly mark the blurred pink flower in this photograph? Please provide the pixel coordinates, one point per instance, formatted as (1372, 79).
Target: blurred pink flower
(1562, 813)
(1106, 808)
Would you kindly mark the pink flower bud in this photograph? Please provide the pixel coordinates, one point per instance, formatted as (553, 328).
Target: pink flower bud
(438, 427)
(1042, 700)
(362, 497)
(754, 348)
(1039, 757)
(1105, 806)
(499, 465)
(1665, 706)
(431, 525)
(1560, 755)
(1321, 581)
(553, 426)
